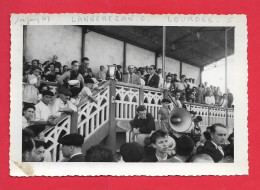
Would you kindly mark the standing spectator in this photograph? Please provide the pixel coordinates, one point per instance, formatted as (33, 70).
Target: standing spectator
(142, 125)
(146, 70)
(159, 140)
(28, 113)
(71, 147)
(200, 94)
(230, 98)
(99, 153)
(131, 77)
(185, 148)
(210, 99)
(119, 73)
(159, 72)
(139, 72)
(224, 101)
(101, 75)
(84, 69)
(163, 116)
(55, 62)
(213, 148)
(73, 74)
(30, 91)
(167, 84)
(181, 86)
(152, 79)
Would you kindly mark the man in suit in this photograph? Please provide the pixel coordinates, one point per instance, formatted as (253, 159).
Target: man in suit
(119, 73)
(152, 79)
(71, 147)
(131, 77)
(213, 147)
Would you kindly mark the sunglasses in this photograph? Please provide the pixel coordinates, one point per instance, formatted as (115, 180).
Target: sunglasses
(150, 68)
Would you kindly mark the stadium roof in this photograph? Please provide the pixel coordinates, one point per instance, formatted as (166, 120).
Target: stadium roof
(198, 46)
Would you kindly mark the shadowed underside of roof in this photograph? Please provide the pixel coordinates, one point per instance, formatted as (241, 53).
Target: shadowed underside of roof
(198, 46)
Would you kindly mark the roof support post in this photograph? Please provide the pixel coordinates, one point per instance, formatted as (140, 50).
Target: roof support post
(83, 38)
(226, 73)
(180, 69)
(163, 52)
(124, 58)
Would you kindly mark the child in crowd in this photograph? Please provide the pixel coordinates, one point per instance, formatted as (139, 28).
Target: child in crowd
(30, 91)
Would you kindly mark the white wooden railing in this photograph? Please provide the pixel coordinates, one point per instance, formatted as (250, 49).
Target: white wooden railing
(52, 135)
(93, 115)
(152, 101)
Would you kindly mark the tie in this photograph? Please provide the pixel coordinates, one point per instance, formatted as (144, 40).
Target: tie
(221, 150)
(131, 79)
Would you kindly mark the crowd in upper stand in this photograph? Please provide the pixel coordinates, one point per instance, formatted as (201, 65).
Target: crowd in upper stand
(34, 72)
(41, 107)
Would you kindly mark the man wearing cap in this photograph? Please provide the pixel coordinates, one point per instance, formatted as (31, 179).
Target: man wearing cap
(131, 77)
(71, 147)
(43, 115)
(62, 104)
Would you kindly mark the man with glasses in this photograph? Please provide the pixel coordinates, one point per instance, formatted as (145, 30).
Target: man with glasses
(131, 77)
(152, 79)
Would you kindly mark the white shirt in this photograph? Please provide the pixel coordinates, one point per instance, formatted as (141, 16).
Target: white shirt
(210, 100)
(142, 81)
(85, 92)
(25, 122)
(161, 81)
(42, 111)
(58, 103)
(218, 147)
(158, 158)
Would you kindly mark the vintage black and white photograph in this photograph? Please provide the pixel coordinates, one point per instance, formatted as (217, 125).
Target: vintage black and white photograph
(159, 95)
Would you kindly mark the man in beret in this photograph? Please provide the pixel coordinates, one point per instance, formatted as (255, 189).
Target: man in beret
(43, 115)
(62, 104)
(71, 147)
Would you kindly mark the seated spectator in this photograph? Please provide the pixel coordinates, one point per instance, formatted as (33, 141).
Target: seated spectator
(230, 98)
(201, 158)
(191, 97)
(132, 152)
(55, 62)
(64, 69)
(174, 78)
(213, 147)
(203, 138)
(86, 91)
(38, 131)
(73, 74)
(131, 77)
(229, 154)
(101, 75)
(146, 70)
(182, 100)
(43, 113)
(184, 148)
(210, 99)
(71, 147)
(30, 91)
(49, 73)
(200, 94)
(142, 125)
(35, 63)
(99, 153)
(62, 104)
(152, 79)
(28, 146)
(28, 115)
(39, 150)
(119, 73)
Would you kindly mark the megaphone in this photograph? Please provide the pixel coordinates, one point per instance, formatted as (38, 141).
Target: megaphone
(180, 120)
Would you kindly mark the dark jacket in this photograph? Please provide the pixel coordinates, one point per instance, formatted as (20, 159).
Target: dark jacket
(153, 158)
(119, 75)
(77, 158)
(210, 149)
(153, 82)
(145, 126)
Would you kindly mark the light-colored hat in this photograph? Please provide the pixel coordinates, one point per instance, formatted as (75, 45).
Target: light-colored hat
(73, 82)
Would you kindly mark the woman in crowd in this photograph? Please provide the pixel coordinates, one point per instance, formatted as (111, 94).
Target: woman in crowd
(210, 99)
(139, 72)
(30, 91)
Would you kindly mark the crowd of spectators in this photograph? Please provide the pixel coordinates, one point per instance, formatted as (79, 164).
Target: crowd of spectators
(41, 108)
